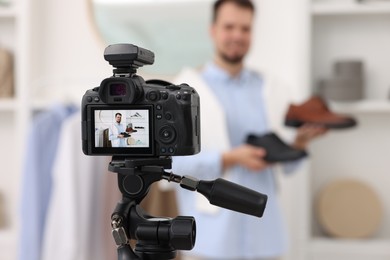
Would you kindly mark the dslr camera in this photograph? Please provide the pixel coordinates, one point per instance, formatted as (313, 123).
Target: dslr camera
(128, 116)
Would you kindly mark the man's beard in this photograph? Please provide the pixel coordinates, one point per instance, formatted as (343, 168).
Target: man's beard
(232, 60)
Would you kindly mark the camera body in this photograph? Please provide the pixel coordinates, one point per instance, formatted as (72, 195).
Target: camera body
(127, 116)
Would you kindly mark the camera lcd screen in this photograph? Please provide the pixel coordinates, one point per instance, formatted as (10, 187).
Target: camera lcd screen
(122, 131)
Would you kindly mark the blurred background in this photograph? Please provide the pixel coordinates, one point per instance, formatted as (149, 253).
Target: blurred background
(51, 52)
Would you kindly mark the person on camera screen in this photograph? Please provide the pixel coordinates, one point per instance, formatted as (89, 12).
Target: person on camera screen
(116, 132)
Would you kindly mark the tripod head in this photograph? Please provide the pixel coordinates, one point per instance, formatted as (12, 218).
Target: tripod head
(159, 238)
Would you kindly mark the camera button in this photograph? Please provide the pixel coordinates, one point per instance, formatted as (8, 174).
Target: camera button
(186, 95)
(178, 96)
(163, 150)
(164, 95)
(168, 116)
(171, 150)
(158, 107)
(158, 116)
(167, 134)
(89, 99)
(97, 99)
(153, 96)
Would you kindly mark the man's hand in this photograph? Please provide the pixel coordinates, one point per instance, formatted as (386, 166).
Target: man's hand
(247, 156)
(306, 134)
(121, 136)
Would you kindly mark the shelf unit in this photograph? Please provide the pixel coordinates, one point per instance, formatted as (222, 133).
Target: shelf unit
(349, 8)
(47, 47)
(14, 115)
(321, 249)
(7, 12)
(361, 107)
(8, 105)
(347, 29)
(8, 245)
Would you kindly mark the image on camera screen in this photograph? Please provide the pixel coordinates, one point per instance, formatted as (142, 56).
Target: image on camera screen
(125, 128)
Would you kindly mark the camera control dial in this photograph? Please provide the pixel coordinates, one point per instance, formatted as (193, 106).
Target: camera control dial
(167, 134)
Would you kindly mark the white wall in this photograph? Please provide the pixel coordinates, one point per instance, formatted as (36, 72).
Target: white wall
(281, 42)
(66, 51)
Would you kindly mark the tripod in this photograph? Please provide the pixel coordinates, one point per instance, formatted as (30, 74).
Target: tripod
(159, 238)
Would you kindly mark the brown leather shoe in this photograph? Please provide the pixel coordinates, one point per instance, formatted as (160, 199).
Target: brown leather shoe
(315, 111)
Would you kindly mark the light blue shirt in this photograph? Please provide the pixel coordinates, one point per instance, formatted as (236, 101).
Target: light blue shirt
(228, 234)
(116, 130)
(41, 149)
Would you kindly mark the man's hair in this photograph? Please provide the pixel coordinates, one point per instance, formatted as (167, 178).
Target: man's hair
(246, 4)
(118, 114)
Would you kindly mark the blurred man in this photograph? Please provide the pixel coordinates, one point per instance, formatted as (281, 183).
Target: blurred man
(234, 103)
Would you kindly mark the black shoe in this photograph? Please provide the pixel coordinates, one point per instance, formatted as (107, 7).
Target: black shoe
(277, 150)
(125, 134)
